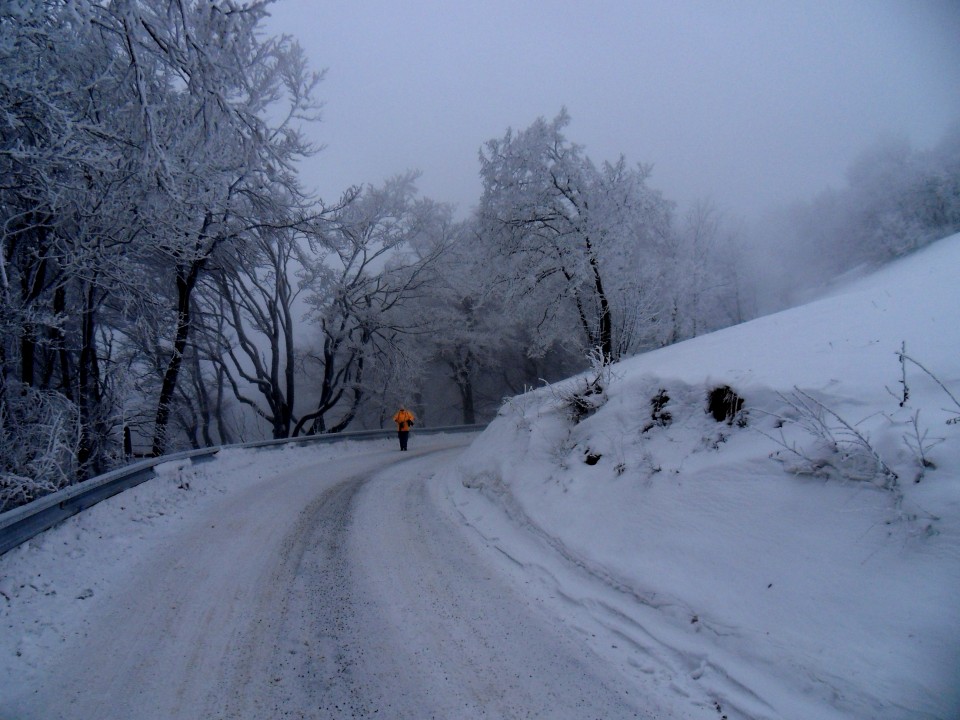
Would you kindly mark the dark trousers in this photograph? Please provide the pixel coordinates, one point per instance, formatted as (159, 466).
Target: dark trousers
(403, 435)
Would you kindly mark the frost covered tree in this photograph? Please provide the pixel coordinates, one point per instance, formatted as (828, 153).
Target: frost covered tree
(468, 328)
(207, 84)
(700, 285)
(896, 200)
(373, 258)
(137, 139)
(251, 295)
(570, 238)
(68, 223)
(251, 326)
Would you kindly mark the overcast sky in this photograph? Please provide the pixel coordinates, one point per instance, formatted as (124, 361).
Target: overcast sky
(749, 103)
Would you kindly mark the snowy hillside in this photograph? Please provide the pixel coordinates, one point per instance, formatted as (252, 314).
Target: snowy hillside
(797, 560)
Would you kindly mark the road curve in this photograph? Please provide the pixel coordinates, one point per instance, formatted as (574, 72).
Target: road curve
(347, 597)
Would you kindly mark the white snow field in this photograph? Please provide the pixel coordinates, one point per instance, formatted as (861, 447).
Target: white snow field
(799, 562)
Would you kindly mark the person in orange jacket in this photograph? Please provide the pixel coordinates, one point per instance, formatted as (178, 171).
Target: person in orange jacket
(404, 420)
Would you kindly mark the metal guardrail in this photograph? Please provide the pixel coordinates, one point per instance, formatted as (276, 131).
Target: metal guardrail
(25, 522)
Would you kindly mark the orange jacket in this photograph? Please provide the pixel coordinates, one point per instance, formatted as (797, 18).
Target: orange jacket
(404, 419)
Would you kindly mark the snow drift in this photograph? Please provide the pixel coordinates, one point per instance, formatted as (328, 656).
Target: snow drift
(798, 559)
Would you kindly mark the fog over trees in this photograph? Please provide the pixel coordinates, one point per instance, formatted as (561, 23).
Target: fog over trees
(896, 200)
(165, 273)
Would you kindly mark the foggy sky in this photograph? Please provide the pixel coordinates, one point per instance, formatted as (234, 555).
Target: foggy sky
(748, 103)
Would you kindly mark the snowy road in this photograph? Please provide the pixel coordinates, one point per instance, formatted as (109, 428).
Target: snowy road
(350, 595)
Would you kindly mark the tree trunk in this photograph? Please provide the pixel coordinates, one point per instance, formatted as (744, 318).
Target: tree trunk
(60, 342)
(226, 438)
(606, 317)
(463, 378)
(31, 287)
(89, 385)
(355, 404)
(203, 401)
(186, 280)
(328, 396)
(289, 367)
(466, 400)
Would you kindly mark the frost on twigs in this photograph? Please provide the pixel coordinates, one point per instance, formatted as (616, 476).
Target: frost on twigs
(584, 400)
(523, 408)
(837, 446)
(39, 440)
(918, 440)
(904, 360)
(583, 396)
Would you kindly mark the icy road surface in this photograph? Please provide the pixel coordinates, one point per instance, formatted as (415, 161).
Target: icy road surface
(340, 592)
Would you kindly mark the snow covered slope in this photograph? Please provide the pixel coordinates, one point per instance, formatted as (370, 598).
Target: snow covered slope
(799, 561)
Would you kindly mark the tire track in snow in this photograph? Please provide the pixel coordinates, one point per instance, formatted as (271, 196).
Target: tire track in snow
(333, 594)
(291, 651)
(460, 640)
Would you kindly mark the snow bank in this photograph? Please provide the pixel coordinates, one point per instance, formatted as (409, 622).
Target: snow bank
(765, 571)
